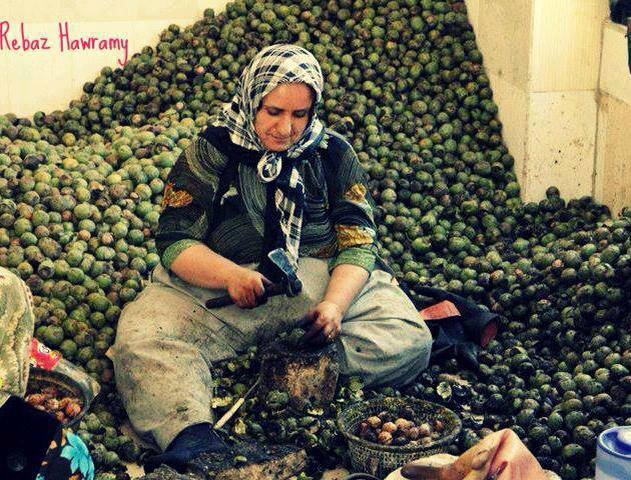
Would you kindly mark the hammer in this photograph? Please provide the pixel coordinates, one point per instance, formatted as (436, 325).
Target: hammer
(289, 284)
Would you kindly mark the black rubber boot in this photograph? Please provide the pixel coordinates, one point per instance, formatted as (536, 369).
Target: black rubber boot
(478, 324)
(190, 442)
(458, 336)
(451, 341)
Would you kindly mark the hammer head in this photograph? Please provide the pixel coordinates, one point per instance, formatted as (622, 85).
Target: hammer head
(292, 283)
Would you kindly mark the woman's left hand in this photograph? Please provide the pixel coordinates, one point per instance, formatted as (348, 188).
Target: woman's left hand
(324, 322)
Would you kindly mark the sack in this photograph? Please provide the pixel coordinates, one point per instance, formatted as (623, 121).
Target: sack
(620, 11)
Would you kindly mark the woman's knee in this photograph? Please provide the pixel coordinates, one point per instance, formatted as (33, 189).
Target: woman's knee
(413, 344)
(142, 320)
(383, 352)
(125, 337)
(158, 311)
(422, 343)
(163, 320)
(391, 337)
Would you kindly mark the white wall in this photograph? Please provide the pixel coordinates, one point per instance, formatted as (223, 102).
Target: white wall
(558, 69)
(612, 182)
(48, 79)
(543, 59)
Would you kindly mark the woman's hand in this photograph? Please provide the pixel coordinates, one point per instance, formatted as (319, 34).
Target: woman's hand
(247, 287)
(499, 455)
(324, 322)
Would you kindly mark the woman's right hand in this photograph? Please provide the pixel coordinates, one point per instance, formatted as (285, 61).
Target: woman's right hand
(247, 287)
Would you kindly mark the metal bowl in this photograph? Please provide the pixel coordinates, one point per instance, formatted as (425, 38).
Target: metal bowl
(39, 378)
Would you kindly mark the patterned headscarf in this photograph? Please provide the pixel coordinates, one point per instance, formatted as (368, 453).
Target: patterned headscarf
(270, 68)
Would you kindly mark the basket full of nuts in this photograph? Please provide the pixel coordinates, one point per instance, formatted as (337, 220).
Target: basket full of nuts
(58, 394)
(385, 433)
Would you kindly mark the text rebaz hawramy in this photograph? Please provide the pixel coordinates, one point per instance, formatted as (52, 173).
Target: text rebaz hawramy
(14, 38)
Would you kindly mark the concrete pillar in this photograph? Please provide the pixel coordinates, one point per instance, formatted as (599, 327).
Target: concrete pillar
(543, 60)
(612, 183)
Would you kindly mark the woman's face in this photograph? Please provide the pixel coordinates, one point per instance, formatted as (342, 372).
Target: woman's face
(283, 116)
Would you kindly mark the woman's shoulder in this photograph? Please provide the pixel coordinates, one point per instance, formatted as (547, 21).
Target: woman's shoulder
(336, 142)
(338, 153)
(216, 137)
(219, 139)
(202, 162)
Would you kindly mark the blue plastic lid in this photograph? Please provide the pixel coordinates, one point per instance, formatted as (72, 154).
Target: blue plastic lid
(617, 441)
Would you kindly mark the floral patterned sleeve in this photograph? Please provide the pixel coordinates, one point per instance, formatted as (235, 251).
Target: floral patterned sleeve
(351, 208)
(68, 458)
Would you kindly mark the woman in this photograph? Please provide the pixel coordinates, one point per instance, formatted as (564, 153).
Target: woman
(265, 175)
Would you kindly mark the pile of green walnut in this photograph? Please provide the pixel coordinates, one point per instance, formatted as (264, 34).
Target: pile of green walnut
(81, 190)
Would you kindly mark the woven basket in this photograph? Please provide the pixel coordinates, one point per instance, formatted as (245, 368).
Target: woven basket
(379, 460)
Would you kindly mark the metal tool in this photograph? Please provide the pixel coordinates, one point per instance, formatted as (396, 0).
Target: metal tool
(289, 284)
(293, 285)
(230, 413)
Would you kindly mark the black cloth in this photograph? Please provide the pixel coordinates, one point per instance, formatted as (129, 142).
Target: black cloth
(26, 436)
(35, 446)
(473, 317)
(190, 443)
(457, 336)
(620, 11)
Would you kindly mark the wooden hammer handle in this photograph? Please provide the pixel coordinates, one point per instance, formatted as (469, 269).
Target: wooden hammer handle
(225, 300)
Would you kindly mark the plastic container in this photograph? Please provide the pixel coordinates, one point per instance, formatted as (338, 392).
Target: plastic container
(380, 460)
(613, 454)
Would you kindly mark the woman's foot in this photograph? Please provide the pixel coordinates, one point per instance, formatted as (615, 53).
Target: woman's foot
(190, 442)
